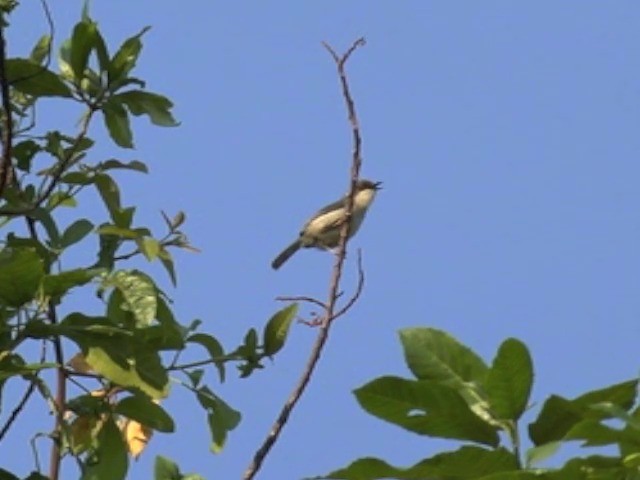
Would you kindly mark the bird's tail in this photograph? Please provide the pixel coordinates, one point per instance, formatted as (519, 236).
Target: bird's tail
(285, 254)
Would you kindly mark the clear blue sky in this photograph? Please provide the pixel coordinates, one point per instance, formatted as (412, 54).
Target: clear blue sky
(507, 138)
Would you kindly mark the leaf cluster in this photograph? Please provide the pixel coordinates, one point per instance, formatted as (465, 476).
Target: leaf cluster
(456, 395)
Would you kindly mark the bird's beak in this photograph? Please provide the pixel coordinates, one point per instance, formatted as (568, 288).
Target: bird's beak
(377, 185)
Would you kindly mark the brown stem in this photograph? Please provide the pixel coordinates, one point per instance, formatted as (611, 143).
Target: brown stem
(60, 400)
(334, 283)
(6, 167)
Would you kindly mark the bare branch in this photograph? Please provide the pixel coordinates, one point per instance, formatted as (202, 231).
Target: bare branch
(303, 299)
(334, 283)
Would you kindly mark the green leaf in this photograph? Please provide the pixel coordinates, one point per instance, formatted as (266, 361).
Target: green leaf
(82, 42)
(536, 455)
(125, 58)
(109, 245)
(30, 78)
(165, 469)
(128, 233)
(76, 232)
(556, 418)
(277, 328)
(150, 247)
(57, 285)
(595, 433)
(21, 270)
(24, 152)
(41, 50)
(132, 165)
(116, 354)
(109, 192)
(465, 463)
(221, 417)
(60, 199)
(214, 348)
(509, 381)
(621, 394)
(117, 122)
(157, 107)
(78, 178)
(110, 459)
(435, 355)
(167, 262)
(425, 407)
(141, 409)
(139, 292)
(46, 219)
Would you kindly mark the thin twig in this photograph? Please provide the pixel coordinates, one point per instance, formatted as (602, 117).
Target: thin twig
(354, 298)
(6, 166)
(25, 398)
(323, 333)
(315, 301)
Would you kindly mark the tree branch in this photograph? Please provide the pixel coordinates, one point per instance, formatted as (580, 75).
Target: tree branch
(334, 284)
(6, 166)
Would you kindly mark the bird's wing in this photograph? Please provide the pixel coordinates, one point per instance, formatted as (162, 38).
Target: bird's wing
(329, 208)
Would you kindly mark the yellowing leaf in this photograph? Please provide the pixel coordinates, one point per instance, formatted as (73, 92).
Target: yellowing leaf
(137, 436)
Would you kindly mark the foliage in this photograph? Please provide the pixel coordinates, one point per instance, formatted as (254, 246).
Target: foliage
(456, 395)
(126, 352)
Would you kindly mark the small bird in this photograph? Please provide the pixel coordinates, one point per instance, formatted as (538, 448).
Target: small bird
(323, 229)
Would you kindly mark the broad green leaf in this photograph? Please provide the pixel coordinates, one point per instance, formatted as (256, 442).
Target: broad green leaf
(117, 122)
(57, 285)
(537, 455)
(116, 354)
(118, 310)
(150, 247)
(110, 459)
(141, 409)
(621, 394)
(82, 42)
(132, 165)
(435, 355)
(76, 232)
(30, 78)
(214, 347)
(125, 58)
(465, 463)
(156, 107)
(509, 381)
(165, 469)
(595, 433)
(425, 407)
(21, 270)
(556, 418)
(24, 152)
(109, 192)
(140, 293)
(277, 328)
(41, 49)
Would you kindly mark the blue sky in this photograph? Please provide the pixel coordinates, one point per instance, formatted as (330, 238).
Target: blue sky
(506, 135)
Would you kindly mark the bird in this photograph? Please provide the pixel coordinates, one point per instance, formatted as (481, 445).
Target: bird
(322, 230)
